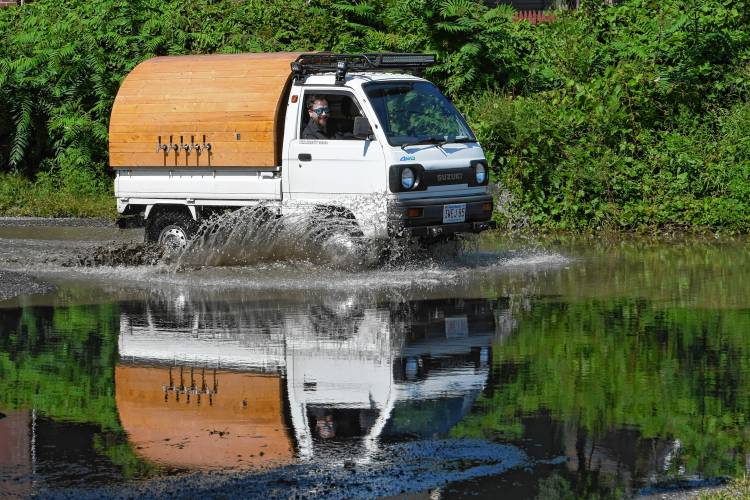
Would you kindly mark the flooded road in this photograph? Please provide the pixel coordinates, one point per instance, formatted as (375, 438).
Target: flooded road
(542, 369)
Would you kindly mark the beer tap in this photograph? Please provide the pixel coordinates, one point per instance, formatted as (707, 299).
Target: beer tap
(161, 147)
(197, 147)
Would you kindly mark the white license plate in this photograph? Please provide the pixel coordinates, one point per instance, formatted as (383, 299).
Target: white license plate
(456, 327)
(454, 213)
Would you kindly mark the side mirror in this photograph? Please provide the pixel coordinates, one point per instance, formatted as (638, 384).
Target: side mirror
(362, 128)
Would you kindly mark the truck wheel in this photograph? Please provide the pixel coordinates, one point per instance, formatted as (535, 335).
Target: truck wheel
(334, 220)
(172, 229)
(339, 237)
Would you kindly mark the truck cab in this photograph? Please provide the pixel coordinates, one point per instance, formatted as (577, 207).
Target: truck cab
(390, 153)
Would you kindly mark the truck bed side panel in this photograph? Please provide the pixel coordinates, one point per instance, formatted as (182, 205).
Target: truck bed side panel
(199, 184)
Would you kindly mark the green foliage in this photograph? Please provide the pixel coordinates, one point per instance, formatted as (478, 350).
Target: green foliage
(632, 116)
(598, 365)
(60, 361)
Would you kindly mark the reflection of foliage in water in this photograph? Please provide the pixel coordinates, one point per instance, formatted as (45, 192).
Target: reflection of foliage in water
(427, 419)
(673, 373)
(559, 487)
(60, 362)
(683, 272)
(418, 114)
(415, 111)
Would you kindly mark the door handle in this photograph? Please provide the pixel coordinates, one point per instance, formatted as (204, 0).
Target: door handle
(304, 157)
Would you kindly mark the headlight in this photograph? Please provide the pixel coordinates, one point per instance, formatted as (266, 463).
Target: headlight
(480, 173)
(407, 178)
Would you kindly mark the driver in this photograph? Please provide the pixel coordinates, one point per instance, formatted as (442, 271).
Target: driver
(317, 127)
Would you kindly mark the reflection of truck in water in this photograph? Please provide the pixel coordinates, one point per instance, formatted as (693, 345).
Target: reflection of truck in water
(191, 136)
(262, 383)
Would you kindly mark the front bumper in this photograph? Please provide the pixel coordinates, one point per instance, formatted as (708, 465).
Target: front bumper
(430, 223)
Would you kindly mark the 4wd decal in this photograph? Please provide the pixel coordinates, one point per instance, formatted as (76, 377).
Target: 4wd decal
(408, 158)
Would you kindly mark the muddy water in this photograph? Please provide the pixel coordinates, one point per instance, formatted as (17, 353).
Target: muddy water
(535, 368)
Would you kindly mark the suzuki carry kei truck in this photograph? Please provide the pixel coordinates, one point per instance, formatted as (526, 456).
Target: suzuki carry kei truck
(192, 136)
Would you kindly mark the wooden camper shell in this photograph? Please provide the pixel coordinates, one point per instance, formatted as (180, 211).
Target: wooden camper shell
(169, 109)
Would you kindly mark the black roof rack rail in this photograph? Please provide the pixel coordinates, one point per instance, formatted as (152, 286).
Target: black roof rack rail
(323, 62)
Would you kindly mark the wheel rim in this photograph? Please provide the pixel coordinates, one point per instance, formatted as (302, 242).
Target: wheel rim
(173, 238)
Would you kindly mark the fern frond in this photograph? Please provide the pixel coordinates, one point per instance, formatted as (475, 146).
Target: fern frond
(453, 27)
(22, 134)
(457, 8)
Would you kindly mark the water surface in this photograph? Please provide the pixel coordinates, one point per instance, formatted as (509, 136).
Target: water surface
(543, 368)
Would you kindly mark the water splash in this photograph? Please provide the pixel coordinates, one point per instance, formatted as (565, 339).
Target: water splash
(253, 235)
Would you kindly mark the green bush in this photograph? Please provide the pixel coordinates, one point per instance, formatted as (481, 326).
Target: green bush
(631, 116)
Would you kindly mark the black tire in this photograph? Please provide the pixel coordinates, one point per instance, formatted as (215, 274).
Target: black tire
(328, 221)
(171, 228)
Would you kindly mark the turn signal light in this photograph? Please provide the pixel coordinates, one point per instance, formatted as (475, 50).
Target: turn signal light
(487, 207)
(414, 212)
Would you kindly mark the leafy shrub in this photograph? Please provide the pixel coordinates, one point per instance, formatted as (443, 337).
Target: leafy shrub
(631, 116)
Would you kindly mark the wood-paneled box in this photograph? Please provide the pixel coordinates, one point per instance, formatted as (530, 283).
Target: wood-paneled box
(214, 111)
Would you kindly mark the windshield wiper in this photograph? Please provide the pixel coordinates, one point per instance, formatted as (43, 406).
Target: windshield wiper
(428, 140)
(457, 140)
(438, 141)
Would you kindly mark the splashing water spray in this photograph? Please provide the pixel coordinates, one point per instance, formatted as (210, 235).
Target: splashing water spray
(321, 235)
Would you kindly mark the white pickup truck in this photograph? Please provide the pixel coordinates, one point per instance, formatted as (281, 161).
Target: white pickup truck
(355, 135)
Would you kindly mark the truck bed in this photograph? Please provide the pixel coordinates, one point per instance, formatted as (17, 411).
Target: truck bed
(231, 187)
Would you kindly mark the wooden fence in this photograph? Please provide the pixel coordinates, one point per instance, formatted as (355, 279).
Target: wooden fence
(533, 16)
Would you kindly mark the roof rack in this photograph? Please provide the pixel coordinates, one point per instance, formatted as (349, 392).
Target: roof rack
(322, 62)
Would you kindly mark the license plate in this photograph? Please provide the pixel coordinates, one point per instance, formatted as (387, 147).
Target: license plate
(454, 213)
(456, 327)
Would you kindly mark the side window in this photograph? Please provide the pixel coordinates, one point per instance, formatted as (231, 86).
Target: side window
(328, 116)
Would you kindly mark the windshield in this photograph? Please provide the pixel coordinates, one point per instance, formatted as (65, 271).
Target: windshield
(416, 112)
